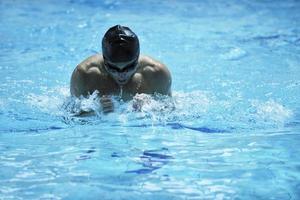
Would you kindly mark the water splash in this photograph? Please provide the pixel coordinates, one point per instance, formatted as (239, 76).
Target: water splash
(197, 110)
(50, 101)
(121, 92)
(270, 111)
(235, 53)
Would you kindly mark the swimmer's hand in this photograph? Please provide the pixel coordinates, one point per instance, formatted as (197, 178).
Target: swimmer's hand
(137, 105)
(139, 101)
(107, 104)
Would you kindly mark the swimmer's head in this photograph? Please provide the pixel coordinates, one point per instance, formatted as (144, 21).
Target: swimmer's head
(121, 50)
(120, 44)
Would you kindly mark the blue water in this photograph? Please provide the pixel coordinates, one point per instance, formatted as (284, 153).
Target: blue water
(234, 132)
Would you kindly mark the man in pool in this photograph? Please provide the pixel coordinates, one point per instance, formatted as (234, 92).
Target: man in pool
(120, 70)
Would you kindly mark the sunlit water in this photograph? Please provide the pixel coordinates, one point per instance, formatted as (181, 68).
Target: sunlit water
(230, 131)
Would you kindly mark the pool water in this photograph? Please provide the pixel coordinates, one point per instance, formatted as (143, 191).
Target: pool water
(230, 131)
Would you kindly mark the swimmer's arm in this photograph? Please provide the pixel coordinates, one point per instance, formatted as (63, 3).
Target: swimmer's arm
(161, 80)
(81, 86)
(85, 79)
(78, 79)
(84, 76)
(107, 104)
(156, 75)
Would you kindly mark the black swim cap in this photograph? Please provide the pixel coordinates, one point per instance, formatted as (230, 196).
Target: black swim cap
(120, 44)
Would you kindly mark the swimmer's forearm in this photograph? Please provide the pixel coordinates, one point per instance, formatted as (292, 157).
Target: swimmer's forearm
(107, 104)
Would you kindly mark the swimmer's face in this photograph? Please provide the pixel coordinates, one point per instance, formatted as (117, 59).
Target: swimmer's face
(121, 71)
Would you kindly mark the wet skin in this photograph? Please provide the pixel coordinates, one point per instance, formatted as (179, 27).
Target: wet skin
(144, 75)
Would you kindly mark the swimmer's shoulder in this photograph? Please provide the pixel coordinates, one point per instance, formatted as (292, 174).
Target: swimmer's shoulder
(86, 75)
(93, 63)
(152, 66)
(148, 63)
(155, 73)
(145, 60)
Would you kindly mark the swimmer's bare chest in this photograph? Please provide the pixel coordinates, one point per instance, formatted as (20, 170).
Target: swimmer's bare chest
(151, 77)
(107, 86)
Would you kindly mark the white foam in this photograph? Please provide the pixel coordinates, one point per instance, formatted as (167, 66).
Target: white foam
(271, 111)
(234, 54)
(196, 108)
(50, 101)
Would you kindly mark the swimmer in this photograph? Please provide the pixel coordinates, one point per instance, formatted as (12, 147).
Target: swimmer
(120, 70)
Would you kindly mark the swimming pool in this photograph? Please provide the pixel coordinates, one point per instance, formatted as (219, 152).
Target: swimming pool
(234, 133)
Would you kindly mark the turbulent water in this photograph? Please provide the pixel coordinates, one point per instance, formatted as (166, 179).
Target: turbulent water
(192, 108)
(229, 131)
